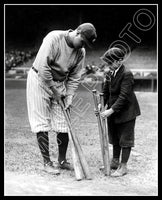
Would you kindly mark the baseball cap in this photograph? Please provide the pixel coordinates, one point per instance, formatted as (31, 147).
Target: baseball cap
(112, 54)
(88, 32)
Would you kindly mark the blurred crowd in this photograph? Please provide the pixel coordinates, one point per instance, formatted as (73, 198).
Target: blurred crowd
(92, 68)
(15, 58)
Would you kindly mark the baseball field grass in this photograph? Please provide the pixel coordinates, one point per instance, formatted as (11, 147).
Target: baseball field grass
(23, 162)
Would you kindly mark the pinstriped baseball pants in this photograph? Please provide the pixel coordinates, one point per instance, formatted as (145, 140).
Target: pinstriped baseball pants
(44, 112)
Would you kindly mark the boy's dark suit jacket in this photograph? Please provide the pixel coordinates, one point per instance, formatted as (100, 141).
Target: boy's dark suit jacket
(119, 95)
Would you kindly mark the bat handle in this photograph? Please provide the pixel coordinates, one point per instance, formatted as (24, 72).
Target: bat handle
(67, 110)
(95, 99)
(102, 101)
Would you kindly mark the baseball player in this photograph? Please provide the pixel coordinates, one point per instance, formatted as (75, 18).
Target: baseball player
(55, 74)
(122, 108)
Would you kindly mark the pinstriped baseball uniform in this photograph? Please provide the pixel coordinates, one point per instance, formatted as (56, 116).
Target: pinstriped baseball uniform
(56, 65)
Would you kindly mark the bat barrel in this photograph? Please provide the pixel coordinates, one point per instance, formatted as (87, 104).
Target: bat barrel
(100, 128)
(75, 141)
(76, 161)
(105, 140)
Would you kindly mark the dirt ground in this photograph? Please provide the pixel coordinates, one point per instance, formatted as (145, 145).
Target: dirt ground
(23, 175)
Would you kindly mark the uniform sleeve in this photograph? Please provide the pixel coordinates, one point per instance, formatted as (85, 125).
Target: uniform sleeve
(125, 91)
(75, 74)
(46, 54)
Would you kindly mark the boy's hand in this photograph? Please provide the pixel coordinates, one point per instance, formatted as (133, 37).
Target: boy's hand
(107, 113)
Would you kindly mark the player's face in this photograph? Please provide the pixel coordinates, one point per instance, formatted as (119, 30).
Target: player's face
(78, 42)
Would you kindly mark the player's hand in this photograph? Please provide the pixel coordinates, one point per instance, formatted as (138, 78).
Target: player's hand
(68, 101)
(107, 113)
(57, 95)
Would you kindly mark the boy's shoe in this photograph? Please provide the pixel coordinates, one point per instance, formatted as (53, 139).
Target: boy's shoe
(65, 165)
(121, 171)
(49, 168)
(114, 163)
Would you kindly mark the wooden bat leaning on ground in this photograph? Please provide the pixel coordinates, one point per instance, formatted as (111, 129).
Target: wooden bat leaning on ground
(106, 139)
(81, 167)
(99, 123)
(103, 133)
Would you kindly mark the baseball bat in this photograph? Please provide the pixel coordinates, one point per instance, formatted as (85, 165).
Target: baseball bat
(99, 123)
(76, 161)
(82, 161)
(106, 140)
(82, 158)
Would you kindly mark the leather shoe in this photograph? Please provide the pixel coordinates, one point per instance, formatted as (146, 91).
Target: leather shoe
(65, 165)
(49, 168)
(121, 171)
(114, 163)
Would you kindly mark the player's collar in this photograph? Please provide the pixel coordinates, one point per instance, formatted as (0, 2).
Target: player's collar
(67, 38)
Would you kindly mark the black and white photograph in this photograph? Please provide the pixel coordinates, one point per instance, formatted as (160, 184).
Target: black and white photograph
(80, 99)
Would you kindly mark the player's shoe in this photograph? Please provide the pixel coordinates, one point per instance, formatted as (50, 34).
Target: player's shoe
(50, 168)
(65, 165)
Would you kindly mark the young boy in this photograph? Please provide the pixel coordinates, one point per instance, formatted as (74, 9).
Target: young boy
(122, 108)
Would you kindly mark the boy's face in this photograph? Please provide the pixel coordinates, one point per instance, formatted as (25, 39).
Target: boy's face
(112, 65)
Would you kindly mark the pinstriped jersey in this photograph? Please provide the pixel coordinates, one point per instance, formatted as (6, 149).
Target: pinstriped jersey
(57, 61)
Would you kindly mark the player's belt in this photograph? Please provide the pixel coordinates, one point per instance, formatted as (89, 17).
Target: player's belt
(35, 69)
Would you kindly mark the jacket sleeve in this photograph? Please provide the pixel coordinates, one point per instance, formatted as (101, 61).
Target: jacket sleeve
(125, 91)
(75, 74)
